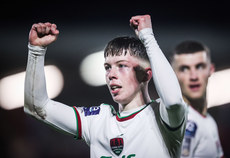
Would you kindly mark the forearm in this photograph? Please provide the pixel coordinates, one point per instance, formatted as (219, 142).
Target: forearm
(163, 75)
(37, 102)
(35, 86)
(165, 80)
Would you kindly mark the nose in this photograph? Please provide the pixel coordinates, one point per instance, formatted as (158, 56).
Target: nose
(112, 74)
(193, 75)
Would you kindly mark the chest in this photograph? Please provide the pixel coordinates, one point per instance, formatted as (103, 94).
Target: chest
(129, 137)
(203, 140)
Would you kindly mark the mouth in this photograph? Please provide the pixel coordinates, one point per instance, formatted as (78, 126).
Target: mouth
(195, 87)
(115, 89)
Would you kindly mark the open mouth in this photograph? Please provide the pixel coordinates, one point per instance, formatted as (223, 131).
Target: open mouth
(115, 88)
(194, 87)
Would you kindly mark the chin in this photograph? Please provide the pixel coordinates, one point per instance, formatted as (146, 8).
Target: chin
(195, 97)
(119, 101)
(116, 99)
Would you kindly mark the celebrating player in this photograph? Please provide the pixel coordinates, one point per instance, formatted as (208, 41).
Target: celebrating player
(142, 127)
(192, 63)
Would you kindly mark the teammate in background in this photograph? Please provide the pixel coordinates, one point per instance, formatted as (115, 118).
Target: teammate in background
(142, 127)
(192, 64)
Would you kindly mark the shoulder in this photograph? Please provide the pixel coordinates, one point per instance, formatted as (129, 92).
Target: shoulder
(195, 115)
(102, 109)
(211, 120)
(108, 108)
(197, 124)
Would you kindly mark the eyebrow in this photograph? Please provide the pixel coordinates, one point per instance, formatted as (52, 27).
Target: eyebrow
(201, 64)
(119, 61)
(197, 64)
(186, 66)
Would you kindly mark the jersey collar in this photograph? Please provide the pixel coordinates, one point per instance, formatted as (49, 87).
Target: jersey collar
(125, 118)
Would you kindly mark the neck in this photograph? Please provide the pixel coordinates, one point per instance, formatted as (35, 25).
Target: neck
(199, 105)
(140, 99)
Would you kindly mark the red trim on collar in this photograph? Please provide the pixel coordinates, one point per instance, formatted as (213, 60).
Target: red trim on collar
(120, 119)
(126, 118)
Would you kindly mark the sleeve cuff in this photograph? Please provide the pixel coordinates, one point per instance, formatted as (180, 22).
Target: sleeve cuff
(37, 50)
(145, 31)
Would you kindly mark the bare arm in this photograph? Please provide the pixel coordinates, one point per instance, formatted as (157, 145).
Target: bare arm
(37, 102)
(172, 107)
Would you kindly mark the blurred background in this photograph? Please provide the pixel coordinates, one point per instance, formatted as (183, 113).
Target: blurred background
(85, 28)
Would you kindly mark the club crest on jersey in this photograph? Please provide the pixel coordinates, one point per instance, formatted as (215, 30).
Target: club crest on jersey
(94, 110)
(191, 128)
(117, 145)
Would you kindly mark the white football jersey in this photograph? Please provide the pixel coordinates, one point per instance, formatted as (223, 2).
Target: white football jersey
(141, 133)
(201, 138)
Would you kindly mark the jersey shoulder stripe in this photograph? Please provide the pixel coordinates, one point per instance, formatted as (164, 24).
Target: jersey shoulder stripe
(78, 120)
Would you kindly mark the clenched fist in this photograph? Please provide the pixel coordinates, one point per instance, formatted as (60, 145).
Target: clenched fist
(43, 34)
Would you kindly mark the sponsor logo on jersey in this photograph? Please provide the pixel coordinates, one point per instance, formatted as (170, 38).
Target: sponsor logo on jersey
(191, 128)
(186, 146)
(124, 156)
(94, 110)
(117, 145)
(190, 132)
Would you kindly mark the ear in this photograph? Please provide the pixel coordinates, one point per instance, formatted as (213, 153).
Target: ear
(148, 74)
(142, 74)
(212, 69)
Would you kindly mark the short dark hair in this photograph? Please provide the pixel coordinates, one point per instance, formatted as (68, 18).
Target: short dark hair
(124, 44)
(190, 47)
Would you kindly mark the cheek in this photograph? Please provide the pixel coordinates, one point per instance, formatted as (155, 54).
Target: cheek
(132, 77)
(133, 83)
(183, 80)
(129, 78)
(204, 78)
(106, 78)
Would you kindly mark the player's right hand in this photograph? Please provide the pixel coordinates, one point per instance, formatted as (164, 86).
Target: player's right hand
(43, 34)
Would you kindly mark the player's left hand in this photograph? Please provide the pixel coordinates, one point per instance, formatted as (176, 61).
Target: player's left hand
(140, 22)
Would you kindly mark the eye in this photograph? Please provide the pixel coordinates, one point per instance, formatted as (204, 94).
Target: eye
(200, 66)
(107, 67)
(183, 68)
(122, 65)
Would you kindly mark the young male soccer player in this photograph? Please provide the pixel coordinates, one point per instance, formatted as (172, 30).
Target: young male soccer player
(142, 127)
(191, 61)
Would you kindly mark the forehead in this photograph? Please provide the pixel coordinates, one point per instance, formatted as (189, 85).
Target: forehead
(128, 58)
(190, 59)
